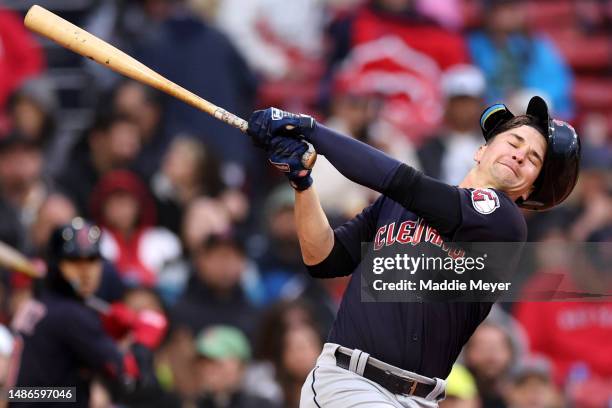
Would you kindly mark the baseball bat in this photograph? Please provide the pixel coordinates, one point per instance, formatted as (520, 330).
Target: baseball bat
(68, 35)
(13, 260)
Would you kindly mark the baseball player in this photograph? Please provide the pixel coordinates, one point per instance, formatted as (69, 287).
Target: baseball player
(397, 354)
(64, 341)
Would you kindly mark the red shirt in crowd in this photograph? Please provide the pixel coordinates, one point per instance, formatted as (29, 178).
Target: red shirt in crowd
(573, 334)
(401, 57)
(20, 55)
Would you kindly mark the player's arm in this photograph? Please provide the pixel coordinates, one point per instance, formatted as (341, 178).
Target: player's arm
(330, 253)
(123, 370)
(437, 202)
(326, 253)
(314, 232)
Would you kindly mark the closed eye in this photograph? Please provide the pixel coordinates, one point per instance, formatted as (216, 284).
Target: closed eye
(535, 159)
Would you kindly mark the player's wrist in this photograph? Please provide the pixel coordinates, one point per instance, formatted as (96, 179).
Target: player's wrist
(301, 183)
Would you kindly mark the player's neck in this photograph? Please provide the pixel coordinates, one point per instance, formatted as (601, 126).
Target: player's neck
(475, 179)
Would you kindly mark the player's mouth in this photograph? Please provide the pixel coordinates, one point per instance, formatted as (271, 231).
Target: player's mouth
(510, 167)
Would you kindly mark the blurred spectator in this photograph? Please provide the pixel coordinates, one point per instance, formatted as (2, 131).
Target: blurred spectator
(596, 149)
(282, 271)
(32, 111)
(353, 113)
(202, 218)
(6, 349)
(461, 389)
(447, 13)
(489, 355)
(223, 352)
(203, 60)
(124, 23)
(274, 36)
(20, 56)
(144, 105)
(11, 231)
(188, 170)
(573, 333)
(451, 152)
(125, 210)
(281, 259)
(22, 184)
(301, 347)
(112, 142)
(214, 294)
(283, 42)
(512, 58)
(531, 385)
(174, 363)
(593, 202)
(400, 54)
(54, 211)
(287, 347)
(140, 299)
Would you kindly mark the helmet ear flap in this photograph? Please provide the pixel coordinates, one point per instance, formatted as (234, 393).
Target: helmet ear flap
(492, 117)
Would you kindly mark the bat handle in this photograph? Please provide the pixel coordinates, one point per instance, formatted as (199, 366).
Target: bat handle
(98, 304)
(231, 119)
(310, 157)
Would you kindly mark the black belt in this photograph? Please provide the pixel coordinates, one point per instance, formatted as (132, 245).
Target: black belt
(392, 382)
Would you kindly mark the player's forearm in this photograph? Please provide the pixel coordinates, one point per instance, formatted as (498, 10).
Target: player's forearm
(314, 232)
(437, 202)
(356, 160)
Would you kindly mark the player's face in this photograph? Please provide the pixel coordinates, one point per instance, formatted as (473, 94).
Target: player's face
(513, 159)
(83, 274)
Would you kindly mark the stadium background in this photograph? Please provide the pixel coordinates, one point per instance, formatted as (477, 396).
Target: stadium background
(198, 226)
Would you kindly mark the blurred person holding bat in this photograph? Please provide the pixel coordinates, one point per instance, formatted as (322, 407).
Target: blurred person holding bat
(65, 341)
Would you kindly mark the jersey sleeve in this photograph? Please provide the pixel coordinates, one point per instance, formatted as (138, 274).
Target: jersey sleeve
(359, 229)
(493, 227)
(86, 338)
(489, 215)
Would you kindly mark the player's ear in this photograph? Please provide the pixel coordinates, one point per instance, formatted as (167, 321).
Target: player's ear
(479, 153)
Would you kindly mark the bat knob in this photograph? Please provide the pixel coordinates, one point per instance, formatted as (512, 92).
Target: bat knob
(310, 157)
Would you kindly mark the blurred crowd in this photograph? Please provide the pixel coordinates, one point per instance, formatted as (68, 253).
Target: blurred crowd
(196, 224)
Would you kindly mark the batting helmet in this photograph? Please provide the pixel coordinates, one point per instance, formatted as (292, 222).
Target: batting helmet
(77, 240)
(559, 172)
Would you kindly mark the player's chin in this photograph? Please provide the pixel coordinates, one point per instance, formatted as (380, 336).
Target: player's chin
(505, 178)
(509, 185)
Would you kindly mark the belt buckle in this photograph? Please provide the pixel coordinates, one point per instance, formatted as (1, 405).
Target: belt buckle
(413, 387)
(402, 382)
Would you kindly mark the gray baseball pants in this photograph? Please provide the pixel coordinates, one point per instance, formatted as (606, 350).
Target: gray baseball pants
(329, 386)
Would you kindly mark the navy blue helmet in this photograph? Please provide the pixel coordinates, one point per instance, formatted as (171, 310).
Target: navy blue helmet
(77, 240)
(559, 173)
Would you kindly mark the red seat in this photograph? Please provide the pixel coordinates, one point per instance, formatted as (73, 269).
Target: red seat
(594, 93)
(588, 53)
(547, 13)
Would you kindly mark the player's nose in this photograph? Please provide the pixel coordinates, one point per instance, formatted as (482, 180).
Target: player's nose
(517, 158)
(519, 155)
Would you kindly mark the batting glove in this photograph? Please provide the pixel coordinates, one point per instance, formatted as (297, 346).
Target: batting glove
(285, 153)
(266, 124)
